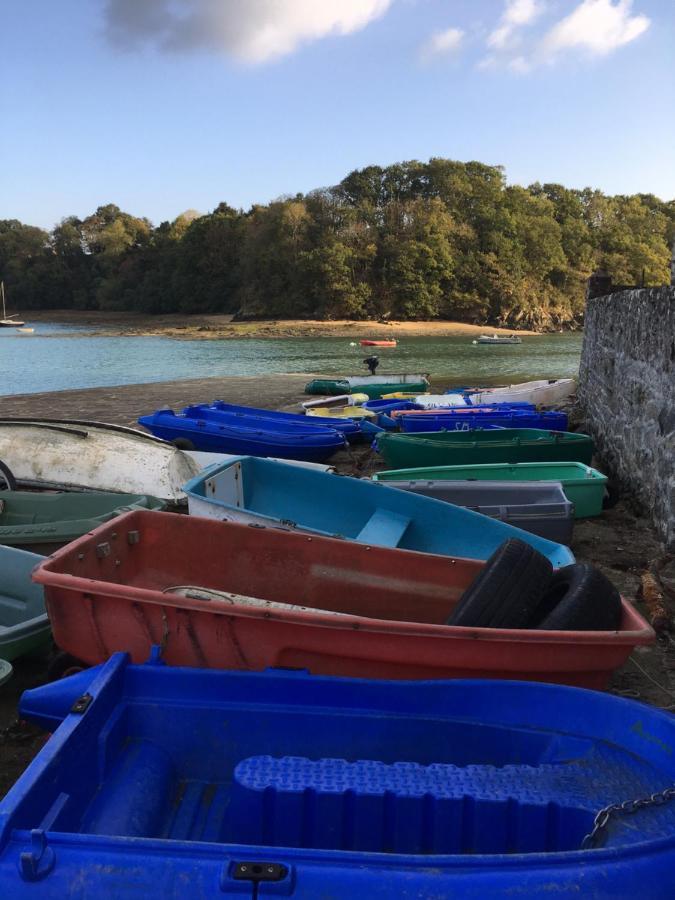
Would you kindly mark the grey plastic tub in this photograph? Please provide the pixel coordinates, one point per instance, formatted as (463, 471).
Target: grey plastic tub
(539, 507)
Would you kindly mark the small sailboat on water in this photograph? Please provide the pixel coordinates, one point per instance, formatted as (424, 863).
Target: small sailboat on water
(8, 321)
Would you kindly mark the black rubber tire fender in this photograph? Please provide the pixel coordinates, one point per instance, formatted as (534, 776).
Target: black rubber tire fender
(6, 477)
(507, 591)
(183, 444)
(579, 598)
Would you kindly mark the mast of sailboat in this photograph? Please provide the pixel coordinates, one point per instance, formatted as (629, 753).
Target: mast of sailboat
(2, 291)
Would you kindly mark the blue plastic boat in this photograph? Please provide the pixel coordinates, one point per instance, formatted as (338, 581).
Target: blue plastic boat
(452, 420)
(310, 444)
(271, 420)
(273, 493)
(190, 784)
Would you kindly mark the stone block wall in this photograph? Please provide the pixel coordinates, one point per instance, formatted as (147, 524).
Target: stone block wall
(627, 395)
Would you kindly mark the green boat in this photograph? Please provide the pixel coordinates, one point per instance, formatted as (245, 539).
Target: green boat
(583, 486)
(372, 385)
(506, 445)
(43, 522)
(24, 625)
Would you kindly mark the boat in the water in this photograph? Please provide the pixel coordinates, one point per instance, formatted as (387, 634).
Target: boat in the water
(508, 445)
(260, 491)
(498, 339)
(80, 455)
(8, 321)
(372, 385)
(224, 595)
(451, 419)
(538, 507)
(583, 486)
(377, 343)
(42, 522)
(540, 393)
(24, 625)
(25, 330)
(215, 434)
(190, 783)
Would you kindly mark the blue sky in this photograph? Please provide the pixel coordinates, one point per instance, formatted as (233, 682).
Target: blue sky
(165, 105)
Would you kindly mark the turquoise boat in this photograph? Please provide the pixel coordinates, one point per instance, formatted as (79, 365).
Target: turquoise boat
(42, 523)
(261, 491)
(506, 445)
(24, 625)
(583, 486)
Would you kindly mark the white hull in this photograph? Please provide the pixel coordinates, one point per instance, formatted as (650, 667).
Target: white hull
(339, 400)
(440, 401)
(94, 457)
(204, 459)
(541, 393)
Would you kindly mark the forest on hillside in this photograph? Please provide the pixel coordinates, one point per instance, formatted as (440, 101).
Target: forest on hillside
(441, 239)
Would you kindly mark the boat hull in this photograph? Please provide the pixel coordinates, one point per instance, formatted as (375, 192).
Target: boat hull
(175, 781)
(24, 626)
(402, 451)
(372, 385)
(256, 491)
(541, 393)
(583, 486)
(352, 609)
(92, 456)
(428, 420)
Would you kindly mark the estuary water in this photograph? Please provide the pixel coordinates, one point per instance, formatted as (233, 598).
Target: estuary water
(60, 357)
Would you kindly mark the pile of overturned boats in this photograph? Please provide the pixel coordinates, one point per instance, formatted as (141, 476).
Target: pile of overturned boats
(266, 662)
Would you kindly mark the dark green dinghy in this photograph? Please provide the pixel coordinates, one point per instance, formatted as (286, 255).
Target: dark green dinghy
(43, 522)
(24, 625)
(462, 448)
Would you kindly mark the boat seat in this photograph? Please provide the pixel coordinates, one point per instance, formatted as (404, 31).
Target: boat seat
(384, 528)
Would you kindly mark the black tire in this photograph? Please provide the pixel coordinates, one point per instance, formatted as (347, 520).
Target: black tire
(579, 598)
(62, 665)
(508, 589)
(183, 444)
(6, 478)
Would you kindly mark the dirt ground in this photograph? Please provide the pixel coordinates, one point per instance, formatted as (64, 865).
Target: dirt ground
(621, 542)
(205, 327)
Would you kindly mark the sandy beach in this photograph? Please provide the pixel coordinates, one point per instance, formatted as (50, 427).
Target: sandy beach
(207, 327)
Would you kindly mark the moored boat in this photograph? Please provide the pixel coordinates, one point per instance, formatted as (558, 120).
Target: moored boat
(283, 783)
(508, 445)
(372, 385)
(80, 455)
(541, 393)
(24, 625)
(436, 420)
(498, 339)
(42, 522)
(211, 434)
(538, 507)
(269, 419)
(377, 343)
(583, 486)
(260, 491)
(9, 321)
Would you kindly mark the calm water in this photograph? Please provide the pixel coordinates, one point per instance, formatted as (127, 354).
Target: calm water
(55, 358)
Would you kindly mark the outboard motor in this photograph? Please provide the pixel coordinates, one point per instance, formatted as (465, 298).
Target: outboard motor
(372, 362)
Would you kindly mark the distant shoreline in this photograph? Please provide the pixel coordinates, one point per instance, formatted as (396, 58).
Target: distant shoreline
(220, 327)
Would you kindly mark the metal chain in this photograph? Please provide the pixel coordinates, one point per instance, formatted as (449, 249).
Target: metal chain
(628, 807)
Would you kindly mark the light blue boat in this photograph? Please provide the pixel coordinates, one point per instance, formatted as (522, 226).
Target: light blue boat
(261, 491)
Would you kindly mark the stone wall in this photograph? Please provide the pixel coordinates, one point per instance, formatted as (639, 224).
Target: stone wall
(627, 395)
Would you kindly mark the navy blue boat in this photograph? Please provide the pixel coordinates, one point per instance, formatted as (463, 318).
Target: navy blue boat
(310, 444)
(193, 784)
(269, 419)
(458, 419)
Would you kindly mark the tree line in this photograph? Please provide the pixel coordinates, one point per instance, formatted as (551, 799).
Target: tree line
(414, 240)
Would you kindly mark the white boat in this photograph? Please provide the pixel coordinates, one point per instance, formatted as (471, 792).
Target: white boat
(8, 321)
(440, 401)
(541, 393)
(498, 339)
(79, 455)
(384, 378)
(204, 460)
(339, 400)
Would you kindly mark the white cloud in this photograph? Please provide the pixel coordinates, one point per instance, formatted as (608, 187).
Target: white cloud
(598, 26)
(443, 42)
(517, 14)
(253, 31)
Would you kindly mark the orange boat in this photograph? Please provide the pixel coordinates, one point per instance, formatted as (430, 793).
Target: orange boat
(377, 343)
